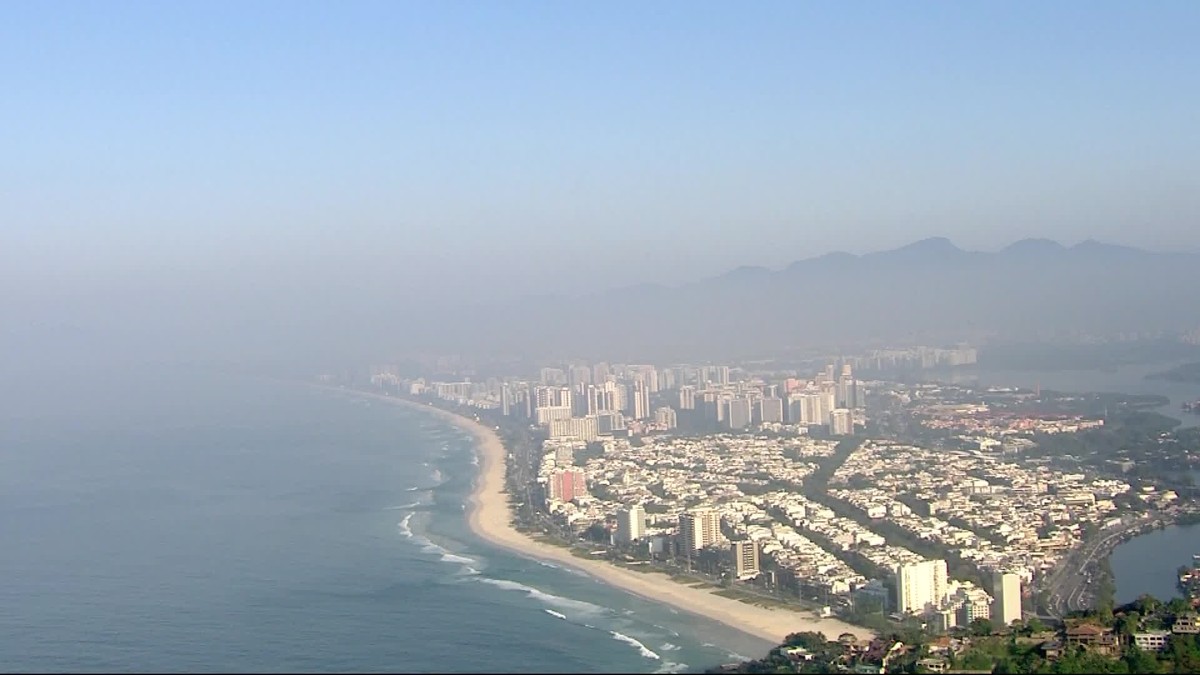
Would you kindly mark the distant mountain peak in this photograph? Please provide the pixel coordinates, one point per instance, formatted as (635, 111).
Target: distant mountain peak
(932, 248)
(747, 271)
(1034, 245)
(1093, 246)
(823, 259)
(933, 242)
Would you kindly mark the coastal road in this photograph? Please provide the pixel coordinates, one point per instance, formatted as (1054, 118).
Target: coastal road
(1069, 584)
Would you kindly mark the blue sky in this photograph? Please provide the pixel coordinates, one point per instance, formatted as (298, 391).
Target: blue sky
(583, 144)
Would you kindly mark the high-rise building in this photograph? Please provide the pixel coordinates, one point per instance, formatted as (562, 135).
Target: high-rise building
(631, 524)
(584, 428)
(810, 408)
(620, 397)
(970, 605)
(722, 375)
(600, 373)
(772, 409)
(795, 410)
(739, 413)
(580, 375)
(841, 422)
(665, 417)
(641, 401)
(566, 485)
(687, 397)
(553, 376)
(745, 558)
(699, 528)
(546, 414)
(1006, 588)
(920, 586)
(608, 422)
(605, 397)
(666, 378)
(552, 397)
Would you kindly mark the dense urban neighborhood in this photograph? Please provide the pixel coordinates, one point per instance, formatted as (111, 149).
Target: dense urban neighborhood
(946, 518)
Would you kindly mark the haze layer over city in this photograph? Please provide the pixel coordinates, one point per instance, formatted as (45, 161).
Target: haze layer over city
(212, 179)
(665, 337)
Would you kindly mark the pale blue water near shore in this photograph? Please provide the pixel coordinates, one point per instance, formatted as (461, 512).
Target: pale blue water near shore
(190, 522)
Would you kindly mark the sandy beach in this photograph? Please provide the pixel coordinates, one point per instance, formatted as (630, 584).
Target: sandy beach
(490, 518)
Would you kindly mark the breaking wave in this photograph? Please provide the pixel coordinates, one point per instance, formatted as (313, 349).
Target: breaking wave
(556, 614)
(635, 643)
(548, 598)
(405, 530)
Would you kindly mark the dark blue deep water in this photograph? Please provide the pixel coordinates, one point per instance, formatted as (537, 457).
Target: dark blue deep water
(185, 521)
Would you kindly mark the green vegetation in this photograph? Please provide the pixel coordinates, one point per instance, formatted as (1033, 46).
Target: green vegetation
(1021, 648)
(1144, 443)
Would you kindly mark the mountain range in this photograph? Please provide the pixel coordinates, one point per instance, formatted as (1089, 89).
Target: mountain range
(930, 291)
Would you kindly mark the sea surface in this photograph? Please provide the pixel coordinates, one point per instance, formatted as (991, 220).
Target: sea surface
(177, 520)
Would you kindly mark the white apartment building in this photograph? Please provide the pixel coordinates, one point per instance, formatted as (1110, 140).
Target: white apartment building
(772, 409)
(920, 586)
(583, 428)
(666, 417)
(631, 524)
(841, 422)
(699, 528)
(745, 559)
(1006, 588)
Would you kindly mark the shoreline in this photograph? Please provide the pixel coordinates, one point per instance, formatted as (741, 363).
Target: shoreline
(490, 518)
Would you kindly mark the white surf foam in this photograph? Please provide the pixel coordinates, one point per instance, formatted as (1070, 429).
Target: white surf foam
(672, 667)
(402, 507)
(548, 598)
(430, 547)
(738, 657)
(461, 560)
(554, 613)
(635, 643)
(405, 530)
(568, 570)
(668, 647)
(469, 571)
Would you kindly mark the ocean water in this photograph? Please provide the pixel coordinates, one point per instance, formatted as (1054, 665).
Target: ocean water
(182, 521)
